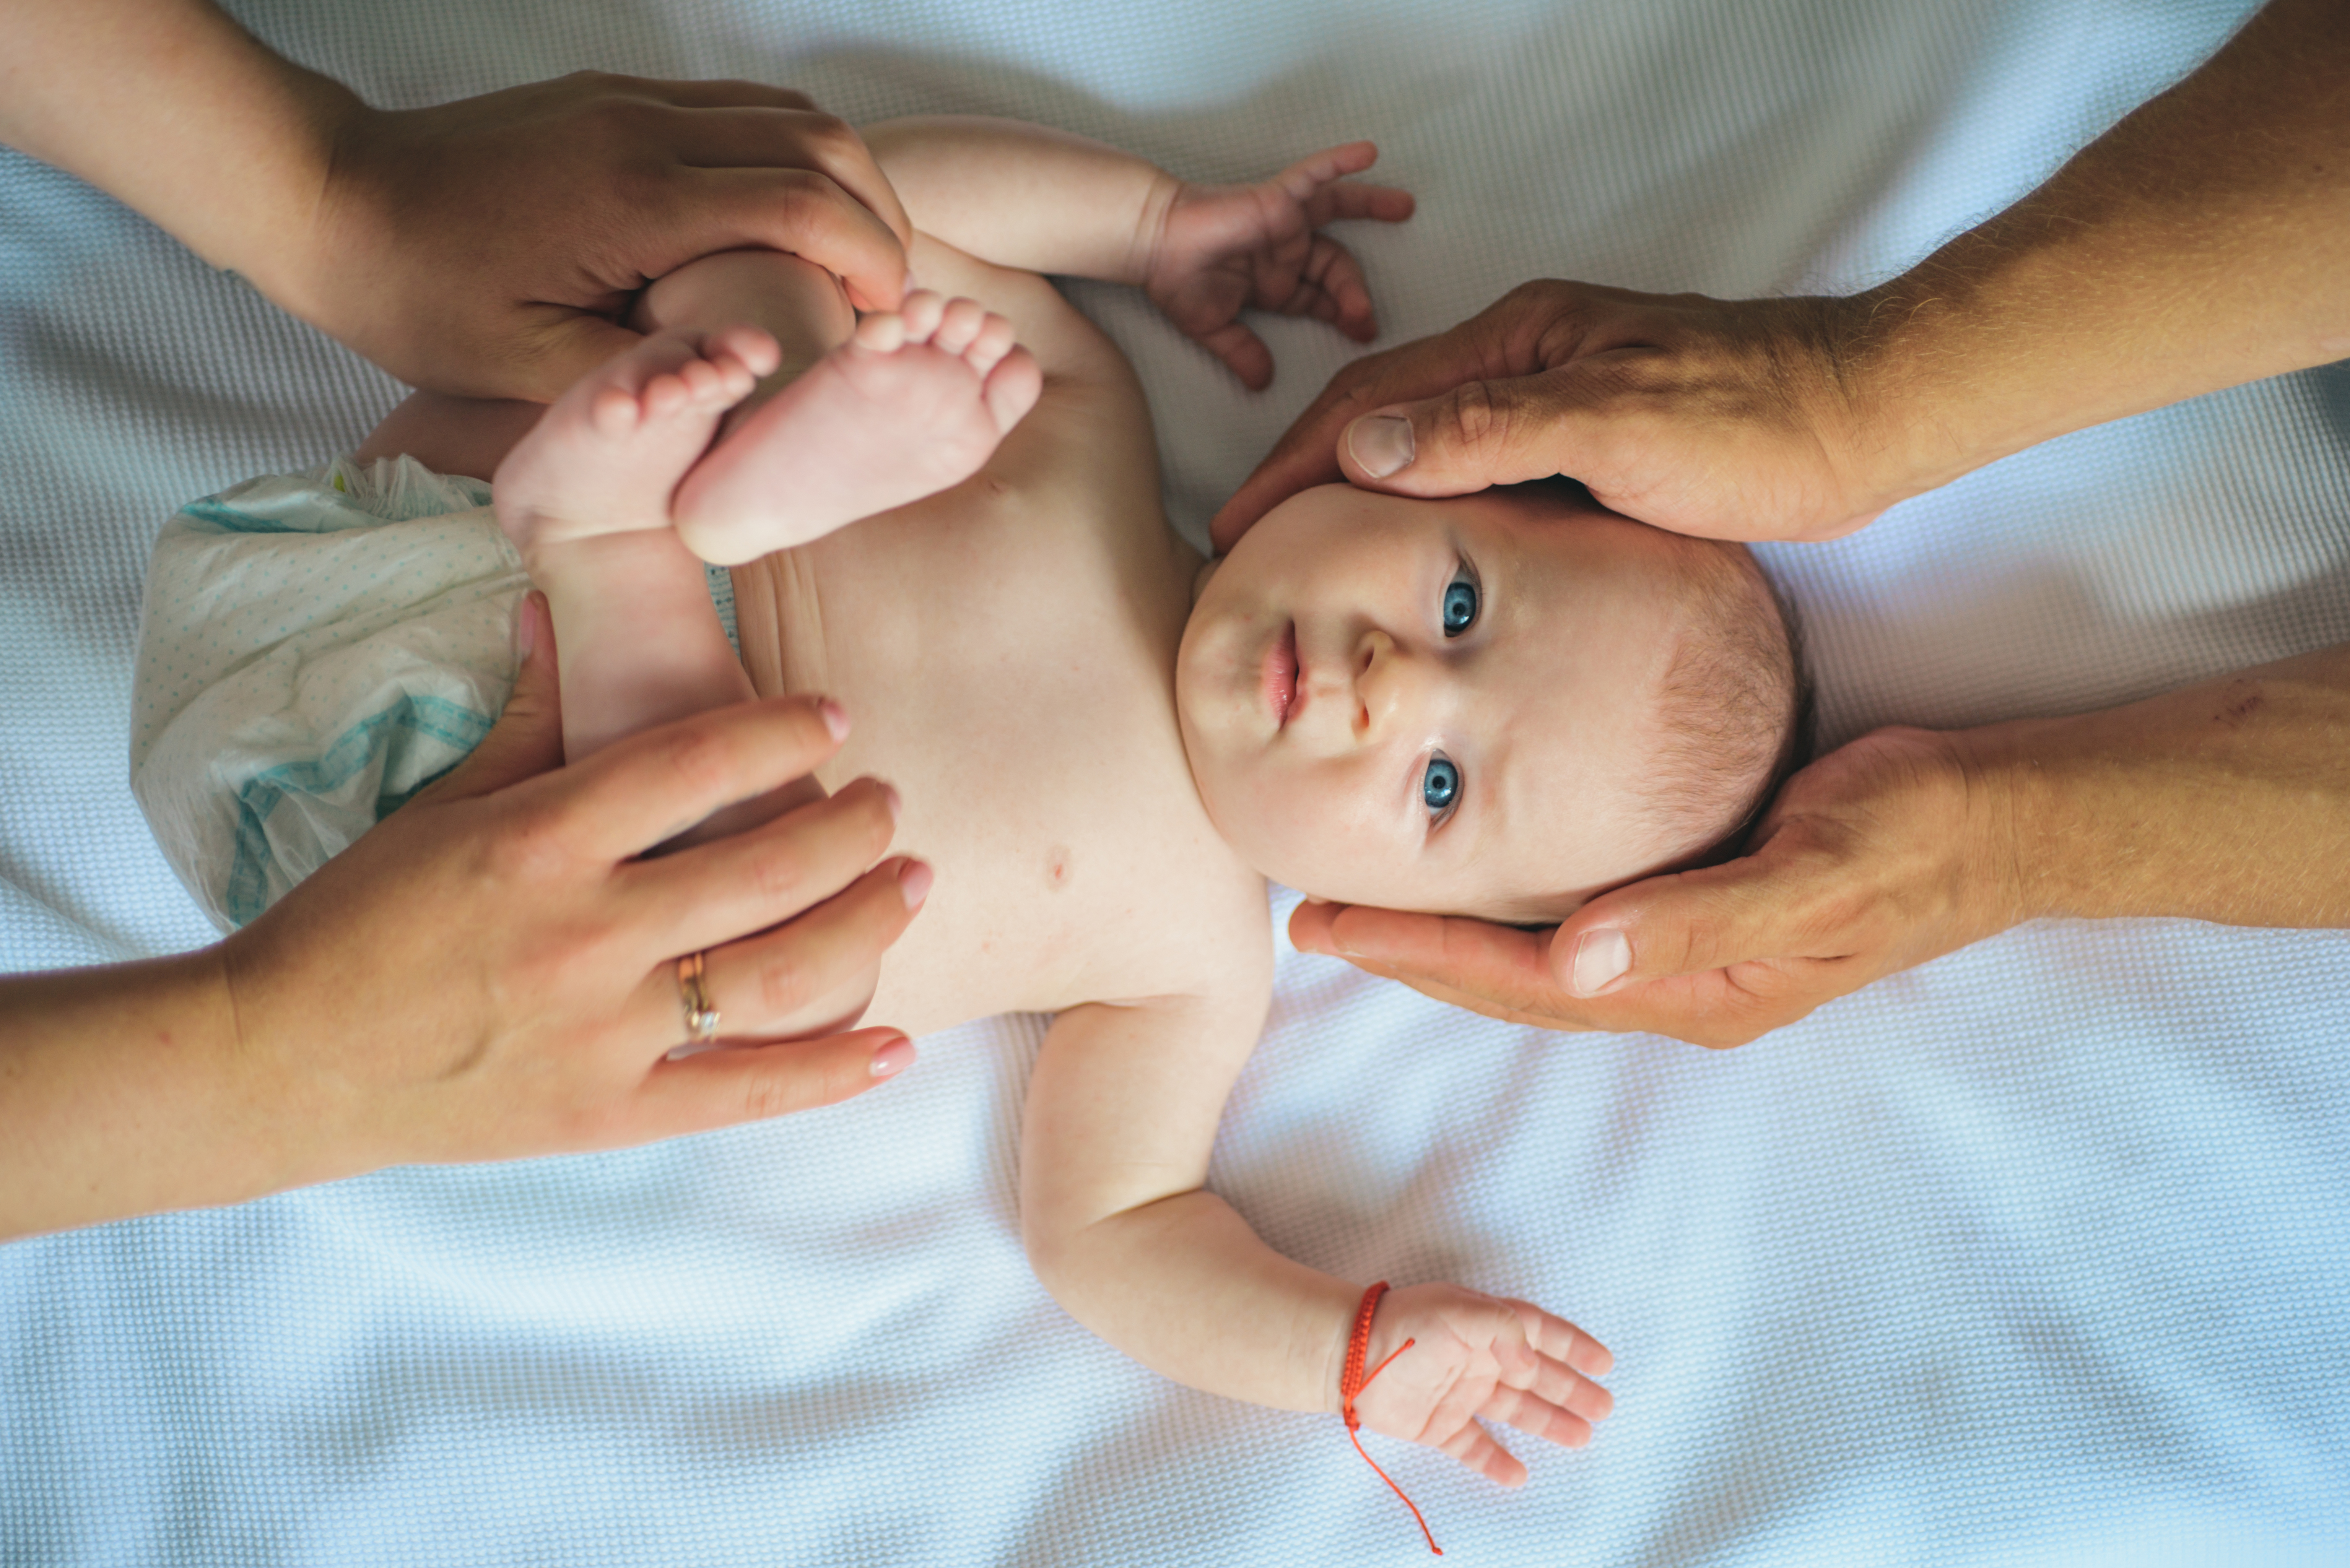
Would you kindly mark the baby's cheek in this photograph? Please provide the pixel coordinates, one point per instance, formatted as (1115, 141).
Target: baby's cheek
(1332, 842)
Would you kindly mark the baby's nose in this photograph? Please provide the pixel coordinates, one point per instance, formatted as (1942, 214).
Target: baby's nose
(1387, 685)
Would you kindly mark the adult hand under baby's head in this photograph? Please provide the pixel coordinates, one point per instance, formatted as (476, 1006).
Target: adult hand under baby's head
(1499, 704)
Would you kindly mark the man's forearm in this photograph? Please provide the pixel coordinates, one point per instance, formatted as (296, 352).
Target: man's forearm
(1023, 196)
(2228, 801)
(122, 1093)
(2196, 244)
(174, 110)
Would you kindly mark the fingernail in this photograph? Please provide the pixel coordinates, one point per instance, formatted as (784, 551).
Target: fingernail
(889, 797)
(1381, 443)
(1601, 957)
(836, 717)
(914, 879)
(893, 1058)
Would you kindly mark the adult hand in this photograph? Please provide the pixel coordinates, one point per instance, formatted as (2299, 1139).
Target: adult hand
(489, 247)
(491, 972)
(1879, 856)
(1802, 419)
(1732, 419)
(485, 248)
(2225, 801)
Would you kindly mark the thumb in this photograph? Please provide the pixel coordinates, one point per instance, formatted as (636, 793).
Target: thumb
(1480, 433)
(1690, 922)
(527, 739)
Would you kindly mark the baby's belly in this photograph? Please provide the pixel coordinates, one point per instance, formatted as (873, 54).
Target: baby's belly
(1009, 669)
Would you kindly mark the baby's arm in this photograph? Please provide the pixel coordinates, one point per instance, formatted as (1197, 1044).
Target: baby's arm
(1043, 200)
(1122, 1112)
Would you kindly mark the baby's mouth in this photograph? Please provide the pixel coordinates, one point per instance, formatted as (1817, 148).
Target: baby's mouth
(1279, 678)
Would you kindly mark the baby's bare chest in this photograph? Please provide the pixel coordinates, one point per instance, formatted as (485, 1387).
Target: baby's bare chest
(1010, 671)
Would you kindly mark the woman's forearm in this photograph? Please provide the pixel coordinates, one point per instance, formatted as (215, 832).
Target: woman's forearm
(176, 111)
(123, 1092)
(2196, 244)
(2228, 801)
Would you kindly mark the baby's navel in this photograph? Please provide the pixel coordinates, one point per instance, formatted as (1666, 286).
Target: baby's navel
(1056, 868)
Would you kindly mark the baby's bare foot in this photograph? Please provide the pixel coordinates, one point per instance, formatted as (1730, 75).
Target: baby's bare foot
(913, 403)
(605, 456)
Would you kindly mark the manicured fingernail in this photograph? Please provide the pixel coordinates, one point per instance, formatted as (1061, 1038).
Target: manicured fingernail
(1381, 443)
(1601, 957)
(893, 1058)
(836, 717)
(914, 881)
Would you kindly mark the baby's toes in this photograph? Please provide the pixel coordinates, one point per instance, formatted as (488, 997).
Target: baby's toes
(994, 342)
(884, 332)
(921, 313)
(612, 411)
(751, 348)
(664, 395)
(704, 380)
(959, 324)
(1010, 389)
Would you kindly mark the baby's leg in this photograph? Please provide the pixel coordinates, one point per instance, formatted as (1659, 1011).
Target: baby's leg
(584, 498)
(859, 417)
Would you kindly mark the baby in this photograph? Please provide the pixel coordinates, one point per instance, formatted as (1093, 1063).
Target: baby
(1496, 705)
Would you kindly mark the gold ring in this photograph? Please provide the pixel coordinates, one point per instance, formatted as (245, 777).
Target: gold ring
(701, 1018)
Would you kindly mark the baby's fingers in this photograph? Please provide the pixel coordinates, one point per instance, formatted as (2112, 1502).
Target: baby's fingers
(1536, 1417)
(1475, 1446)
(1330, 288)
(1560, 1340)
(1346, 203)
(1244, 351)
(1303, 178)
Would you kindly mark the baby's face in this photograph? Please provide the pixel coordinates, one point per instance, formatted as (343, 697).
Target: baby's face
(1435, 705)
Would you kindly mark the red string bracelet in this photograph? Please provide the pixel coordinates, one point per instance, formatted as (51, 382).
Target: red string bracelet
(1352, 1382)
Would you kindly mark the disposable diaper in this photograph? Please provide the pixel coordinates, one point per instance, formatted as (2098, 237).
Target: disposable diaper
(303, 667)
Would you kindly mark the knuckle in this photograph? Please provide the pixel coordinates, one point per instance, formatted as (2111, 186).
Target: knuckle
(773, 1091)
(1472, 419)
(778, 876)
(702, 762)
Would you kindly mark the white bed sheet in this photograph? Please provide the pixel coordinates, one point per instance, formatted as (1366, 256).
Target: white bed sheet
(2037, 1254)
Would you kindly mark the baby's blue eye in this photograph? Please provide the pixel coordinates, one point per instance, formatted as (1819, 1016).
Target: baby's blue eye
(1440, 786)
(1459, 604)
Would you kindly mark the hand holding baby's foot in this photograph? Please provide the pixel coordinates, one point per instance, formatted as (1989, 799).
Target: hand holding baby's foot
(605, 456)
(1478, 1355)
(912, 404)
(1221, 247)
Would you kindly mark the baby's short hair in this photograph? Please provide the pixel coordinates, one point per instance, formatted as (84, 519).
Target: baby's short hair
(1733, 706)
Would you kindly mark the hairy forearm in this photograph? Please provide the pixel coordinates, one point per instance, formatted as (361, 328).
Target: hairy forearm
(123, 1092)
(2195, 245)
(2228, 801)
(1023, 196)
(1185, 1287)
(172, 108)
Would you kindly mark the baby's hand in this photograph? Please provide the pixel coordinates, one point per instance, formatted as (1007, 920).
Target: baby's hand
(1475, 1355)
(1221, 247)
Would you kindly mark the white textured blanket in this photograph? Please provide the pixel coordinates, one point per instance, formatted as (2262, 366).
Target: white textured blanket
(2038, 1254)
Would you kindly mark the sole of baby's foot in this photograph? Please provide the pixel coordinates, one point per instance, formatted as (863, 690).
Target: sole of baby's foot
(912, 404)
(606, 455)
